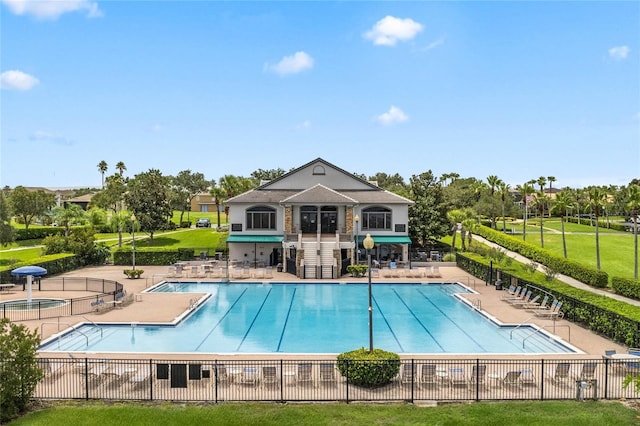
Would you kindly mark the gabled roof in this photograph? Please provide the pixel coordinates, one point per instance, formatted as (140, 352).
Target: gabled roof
(310, 163)
(319, 194)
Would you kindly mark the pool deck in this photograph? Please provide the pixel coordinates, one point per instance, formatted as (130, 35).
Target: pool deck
(166, 307)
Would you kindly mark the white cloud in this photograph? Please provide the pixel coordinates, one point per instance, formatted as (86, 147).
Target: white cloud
(17, 80)
(393, 116)
(389, 30)
(619, 52)
(50, 137)
(293, 64)
(52, 9)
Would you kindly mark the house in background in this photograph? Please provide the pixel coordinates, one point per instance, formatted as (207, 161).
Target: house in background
(311, 220)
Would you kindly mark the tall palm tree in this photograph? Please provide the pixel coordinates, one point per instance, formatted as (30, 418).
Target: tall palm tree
(550, 179)
(525, 189)
(493, 181)
(540, 202)
(563, 203)
(469, 225)
(542, 181)
(120, 167)
(455, 217)
(633, 203)
(596, 201)
(218, 194)
(102, 168)
(503, 190)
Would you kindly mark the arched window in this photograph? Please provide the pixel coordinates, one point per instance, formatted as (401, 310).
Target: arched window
(376, 218)
(261, 217)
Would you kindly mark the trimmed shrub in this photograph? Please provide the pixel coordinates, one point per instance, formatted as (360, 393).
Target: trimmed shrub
(357, 270)
(626, 287)
(369, 369)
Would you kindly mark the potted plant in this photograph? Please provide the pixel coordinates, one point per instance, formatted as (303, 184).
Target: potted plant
(133, 273)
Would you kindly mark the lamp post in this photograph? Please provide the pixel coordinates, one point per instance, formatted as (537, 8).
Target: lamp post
(368, 244)
(133, 240)
(357, 219)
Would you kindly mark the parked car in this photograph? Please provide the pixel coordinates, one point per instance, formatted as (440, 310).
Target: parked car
(203, 222)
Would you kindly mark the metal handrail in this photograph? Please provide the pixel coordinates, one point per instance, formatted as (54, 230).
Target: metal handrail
(93, 323)
(70, 326)
(519, 325)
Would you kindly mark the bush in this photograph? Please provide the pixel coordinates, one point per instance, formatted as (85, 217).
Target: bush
(133, 273)
(369, 369)
(626, 287)
(19, 371)
(357, 270)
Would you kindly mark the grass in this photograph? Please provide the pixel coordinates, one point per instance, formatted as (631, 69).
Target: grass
(531, 413)
(184, 238)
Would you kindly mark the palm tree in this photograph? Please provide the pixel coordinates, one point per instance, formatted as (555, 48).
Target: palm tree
(102, 168)
(218, 194)
(542, 181)
(633, 203)
(524, 190)
(469, 226)
(503, 190)
(455, 217)
(120, 167)
(596, 201)
(493, 181)
(540, 202)
(563, 203)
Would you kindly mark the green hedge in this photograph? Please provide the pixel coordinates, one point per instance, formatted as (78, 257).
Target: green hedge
(56, 264)
(571, 268)
(617, 320)
(626, 287)
(369, 369)
(152, 257)
(37, 233)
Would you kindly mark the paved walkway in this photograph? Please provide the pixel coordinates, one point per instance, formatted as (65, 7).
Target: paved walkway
(568, 280)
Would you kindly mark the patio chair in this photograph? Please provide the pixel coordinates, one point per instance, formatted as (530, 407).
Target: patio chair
(514, 295)
(249, 376)
(526, 297)
(553, 312)
(268, 272)
(328, 373)
(436, 272)
(304, 375)
(270, 376)
(140, 377)
(512, 379)
(259, 273)
(478, 376)
(222, 375)
(428, 376)
(588, 371)
(533, 305)
(457, 377)
(527, 377)
(409, 373)
(561, 373)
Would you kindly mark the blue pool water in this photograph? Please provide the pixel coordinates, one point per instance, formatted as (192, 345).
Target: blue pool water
(316, 318)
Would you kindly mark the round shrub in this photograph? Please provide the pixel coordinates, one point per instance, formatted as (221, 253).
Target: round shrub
(369, 369)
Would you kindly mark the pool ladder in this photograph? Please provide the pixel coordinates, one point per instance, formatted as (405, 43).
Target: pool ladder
(193, 302)
(477, 304)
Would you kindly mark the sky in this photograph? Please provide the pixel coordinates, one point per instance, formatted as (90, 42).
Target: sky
(511, 89)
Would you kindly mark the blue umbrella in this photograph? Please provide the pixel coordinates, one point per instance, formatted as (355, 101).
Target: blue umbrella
(29, 272)
(23, 271)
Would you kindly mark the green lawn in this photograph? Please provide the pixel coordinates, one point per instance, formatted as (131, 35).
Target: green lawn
(530, 413)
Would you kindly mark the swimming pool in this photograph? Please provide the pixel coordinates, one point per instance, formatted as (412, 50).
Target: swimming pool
(317, 318)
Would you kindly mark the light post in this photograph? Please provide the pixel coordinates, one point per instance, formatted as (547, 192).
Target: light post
(133, 240)
(357, 219)
(368, 244)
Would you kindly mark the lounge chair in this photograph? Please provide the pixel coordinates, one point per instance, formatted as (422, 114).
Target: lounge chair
(409, 372)
(551, 313)
(436, 272)
(478, 376)
(268, 272)
(259, 273)
(141, 377)
(270, 376)
(533, 305)
(222, 375)
(51, 370)
(328, 373)
(304, 375)
(561, 373)
(514, 295)
(249, 376)
(428, 376)
(588, 371)
(512, 379)
(525, 298)
(527, 377)
(457, 377)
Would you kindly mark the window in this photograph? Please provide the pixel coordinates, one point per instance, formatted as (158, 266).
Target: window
(261, 217)
(376, 218)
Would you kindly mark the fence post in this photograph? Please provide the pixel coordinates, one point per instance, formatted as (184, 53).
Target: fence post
(477, 379)
(347, 377)
(606, 376)
(86, 378)
(413, 378)
(151, 379)
(542, 379)
(282, 384)
(215, 378)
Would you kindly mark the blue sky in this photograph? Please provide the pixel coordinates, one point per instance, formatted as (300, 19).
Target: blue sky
(513, 89)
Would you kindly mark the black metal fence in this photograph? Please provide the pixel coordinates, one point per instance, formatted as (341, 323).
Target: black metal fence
(320, 380)
(108, 293)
